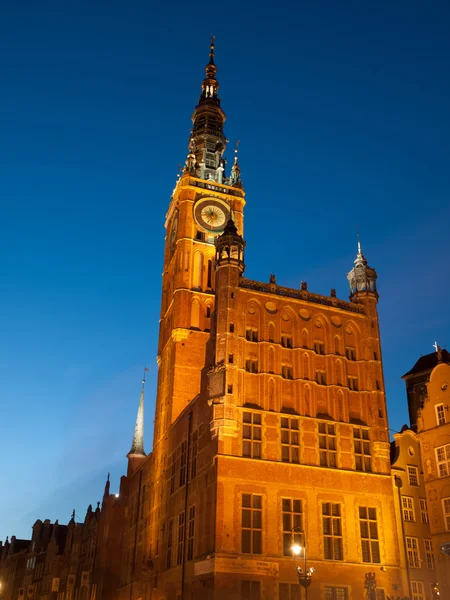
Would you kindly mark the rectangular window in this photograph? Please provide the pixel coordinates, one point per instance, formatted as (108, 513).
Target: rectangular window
(443, 460)
(332, 531)
(251, 524)
(250, 590)
(191, 533)
(408, 508)
(321, 377)
(412, 546)
(169, 544)
(369, 534)
(327, 444)
(251, 365)
(200, 236)
(336, 593)
(180, 539)
(172, 473)
(231, 327)
(417, 590)
(363, 458)
(350, 353)
(413, 475)
(352, 383)
(290, 443)
(380, 594)
(288, 591)
(440, 414)
(286, 372)
(251, 334)
(183, 463)
(429, 554)
(319, 347)
(286, 341)
(424, 511)
(251, 435)
(446, 512)
(292, 518)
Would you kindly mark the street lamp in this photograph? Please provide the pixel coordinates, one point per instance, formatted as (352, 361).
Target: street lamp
(304, 574)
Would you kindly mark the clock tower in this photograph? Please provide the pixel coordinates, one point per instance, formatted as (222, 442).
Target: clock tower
(203, 201)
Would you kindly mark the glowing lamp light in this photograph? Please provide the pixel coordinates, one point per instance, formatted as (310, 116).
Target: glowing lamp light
(296, 549)
(117, 495)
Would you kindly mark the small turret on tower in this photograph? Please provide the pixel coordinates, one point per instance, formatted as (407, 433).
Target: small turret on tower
(137, 453)
(230, 248)
(362, 278)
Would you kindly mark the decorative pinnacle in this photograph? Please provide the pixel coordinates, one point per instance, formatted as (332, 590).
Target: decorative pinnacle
(137, 446)
(211, 50)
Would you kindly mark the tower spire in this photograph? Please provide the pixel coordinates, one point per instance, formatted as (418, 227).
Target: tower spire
(362, 278)
(137, 446)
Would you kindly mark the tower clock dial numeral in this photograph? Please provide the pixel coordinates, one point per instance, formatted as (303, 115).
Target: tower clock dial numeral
(211, 214)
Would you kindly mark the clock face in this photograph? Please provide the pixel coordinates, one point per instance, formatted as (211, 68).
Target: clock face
(173, 231)
(211, 214)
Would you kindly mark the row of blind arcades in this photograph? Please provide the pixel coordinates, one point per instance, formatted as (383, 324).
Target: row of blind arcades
(286, 341)
(291, 520)
(252, 438)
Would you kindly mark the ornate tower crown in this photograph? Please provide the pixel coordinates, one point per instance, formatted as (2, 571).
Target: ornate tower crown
(230, 247)
(207, 141)
(362, 278)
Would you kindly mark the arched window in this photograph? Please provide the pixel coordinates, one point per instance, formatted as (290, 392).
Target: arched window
(271, 360)
(305, 336)
(337, 344)
(195, 314)
(305, 370)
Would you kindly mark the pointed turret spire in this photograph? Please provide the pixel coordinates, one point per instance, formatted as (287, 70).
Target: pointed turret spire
(362, 278)
(137, 446)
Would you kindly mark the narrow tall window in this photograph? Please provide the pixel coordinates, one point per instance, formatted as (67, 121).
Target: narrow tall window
(417, 590)
(352, 383)
(251, 334)
(408, 508)
(183, 461)
(446, 512)
(429, 554)
(250, 590)
(286, 372)
(192, 467)
(424, 511)
(209, 278)
(363, 458)
(369, 534)
(172, 473)
(169, 544)
(191, 533)
(332, 531)
(286, 341)
(412, 546)
(251, 365)
(180, 539)
(350, 353)
(413, 475)
(288, 591)
(251, 524)
(443, 460)
(292, 519)
(440, 414)
(251, 435)
(321, 377)
(336, 593)
(290, 443)
(327, 444)
(319, 347)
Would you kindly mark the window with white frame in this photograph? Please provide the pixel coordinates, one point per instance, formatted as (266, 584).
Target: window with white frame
(408, 508)
(443, 460)
(417, 590)
(440, 414)
(412, 546)
(429, 554)
(446, 512)
(336, 593)
(424, 511)
(413, 475)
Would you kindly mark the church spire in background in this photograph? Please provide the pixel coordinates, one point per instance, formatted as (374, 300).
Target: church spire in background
(137, 446)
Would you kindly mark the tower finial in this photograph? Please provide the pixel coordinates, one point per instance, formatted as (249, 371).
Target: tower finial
(211, 50)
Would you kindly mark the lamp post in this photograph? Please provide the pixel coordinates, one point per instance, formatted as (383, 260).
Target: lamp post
(304, 574)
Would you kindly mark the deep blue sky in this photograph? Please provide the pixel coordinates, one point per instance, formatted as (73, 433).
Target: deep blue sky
(342, 112)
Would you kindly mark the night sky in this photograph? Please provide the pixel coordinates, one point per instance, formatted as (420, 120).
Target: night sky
(342, 112)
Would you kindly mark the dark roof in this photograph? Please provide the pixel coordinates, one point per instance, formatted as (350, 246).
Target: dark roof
(428, 362)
